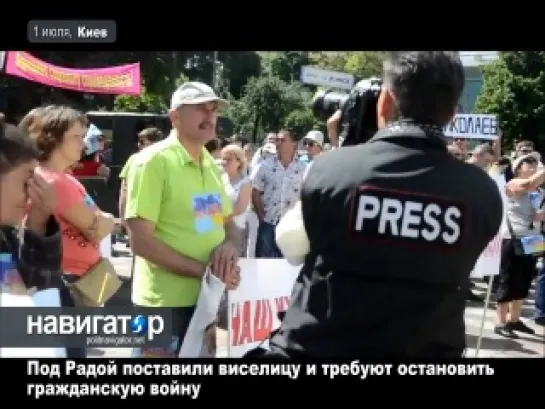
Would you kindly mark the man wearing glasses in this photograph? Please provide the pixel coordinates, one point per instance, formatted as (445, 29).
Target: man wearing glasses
(313, 143)
(524, 148)
(276, 184)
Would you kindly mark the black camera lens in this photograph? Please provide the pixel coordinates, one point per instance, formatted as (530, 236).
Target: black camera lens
(325, 103)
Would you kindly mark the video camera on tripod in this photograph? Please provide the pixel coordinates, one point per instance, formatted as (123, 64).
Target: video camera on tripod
(359, 114)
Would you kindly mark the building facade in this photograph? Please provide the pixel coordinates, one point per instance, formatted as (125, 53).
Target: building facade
(472, 61)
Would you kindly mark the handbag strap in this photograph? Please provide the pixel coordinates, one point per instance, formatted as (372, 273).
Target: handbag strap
(509, 226)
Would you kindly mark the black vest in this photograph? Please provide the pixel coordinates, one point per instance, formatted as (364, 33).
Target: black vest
(396, 226)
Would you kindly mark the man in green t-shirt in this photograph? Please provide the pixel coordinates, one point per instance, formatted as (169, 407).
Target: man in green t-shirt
(178, 214)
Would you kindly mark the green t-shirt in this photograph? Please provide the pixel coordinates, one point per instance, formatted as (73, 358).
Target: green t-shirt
(188, 204)
(124, 172)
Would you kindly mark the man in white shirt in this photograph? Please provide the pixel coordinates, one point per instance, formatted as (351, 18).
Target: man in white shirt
(276, 184)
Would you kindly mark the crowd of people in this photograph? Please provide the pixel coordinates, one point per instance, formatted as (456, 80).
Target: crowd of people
(525, 216)
(193, 204)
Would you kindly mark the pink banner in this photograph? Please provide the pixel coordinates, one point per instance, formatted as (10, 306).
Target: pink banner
(124, 79)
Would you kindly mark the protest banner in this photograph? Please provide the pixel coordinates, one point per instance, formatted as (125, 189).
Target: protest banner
(123, 79)
(488, 263)
(473, 126)
(45, 298)
(264, 291)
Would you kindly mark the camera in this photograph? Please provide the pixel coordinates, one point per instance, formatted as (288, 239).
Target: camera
(359, 114)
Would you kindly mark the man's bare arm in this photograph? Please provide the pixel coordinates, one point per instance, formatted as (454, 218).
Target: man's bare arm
(517, 186)
(122, 200)
(537, 179)
(146, 245)
(258, 204)
(232, 233)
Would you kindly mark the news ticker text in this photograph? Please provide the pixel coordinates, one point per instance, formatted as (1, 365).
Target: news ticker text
(85, 377)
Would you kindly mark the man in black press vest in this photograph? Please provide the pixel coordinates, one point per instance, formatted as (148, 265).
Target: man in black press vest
(395, 228)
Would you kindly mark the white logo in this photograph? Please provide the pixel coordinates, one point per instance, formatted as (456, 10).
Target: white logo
(409, 218)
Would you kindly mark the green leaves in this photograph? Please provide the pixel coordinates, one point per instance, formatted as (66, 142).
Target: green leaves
(514, 90)
(145, 102)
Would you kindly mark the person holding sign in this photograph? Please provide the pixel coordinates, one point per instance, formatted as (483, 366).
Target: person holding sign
(34, 262)
(179, 215)
(519, 250)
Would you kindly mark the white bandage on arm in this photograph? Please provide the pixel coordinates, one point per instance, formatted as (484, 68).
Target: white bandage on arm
(291, 236)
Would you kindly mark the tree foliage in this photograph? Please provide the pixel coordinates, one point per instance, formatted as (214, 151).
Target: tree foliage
(361, 64)
(263, 87)
(285, 65)
(514, 90)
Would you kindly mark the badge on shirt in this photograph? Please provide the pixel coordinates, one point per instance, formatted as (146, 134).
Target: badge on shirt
(207, 212)
(88, 200)
(535, 199)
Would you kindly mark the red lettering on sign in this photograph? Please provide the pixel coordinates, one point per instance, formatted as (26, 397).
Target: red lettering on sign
(252, 321)
(263, 320)
(282, 304)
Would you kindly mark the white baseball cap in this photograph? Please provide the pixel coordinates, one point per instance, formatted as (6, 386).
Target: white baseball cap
(315, 136)
(518, 161)
(193, 93)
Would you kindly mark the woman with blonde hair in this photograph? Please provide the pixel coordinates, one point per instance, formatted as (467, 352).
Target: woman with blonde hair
(239, 187)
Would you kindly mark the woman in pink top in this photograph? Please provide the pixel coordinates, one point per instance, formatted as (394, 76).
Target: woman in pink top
(83, 225)
(58, 135)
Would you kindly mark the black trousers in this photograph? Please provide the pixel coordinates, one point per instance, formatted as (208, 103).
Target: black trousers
(67, 301)
(516, 274)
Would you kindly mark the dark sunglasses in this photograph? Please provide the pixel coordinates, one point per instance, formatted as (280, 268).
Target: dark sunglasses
(309, 144)
(530, 161)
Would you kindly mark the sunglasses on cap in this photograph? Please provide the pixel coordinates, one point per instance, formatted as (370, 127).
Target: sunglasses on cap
(530, 161)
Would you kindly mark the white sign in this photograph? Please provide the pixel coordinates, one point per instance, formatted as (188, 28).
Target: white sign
(324, 78)
(206, 311)
(2, 59)
(473, 126)
(488, 263)
(264, 291)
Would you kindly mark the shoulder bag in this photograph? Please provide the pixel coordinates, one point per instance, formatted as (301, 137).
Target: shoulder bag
(530, 245)
(96, 286)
